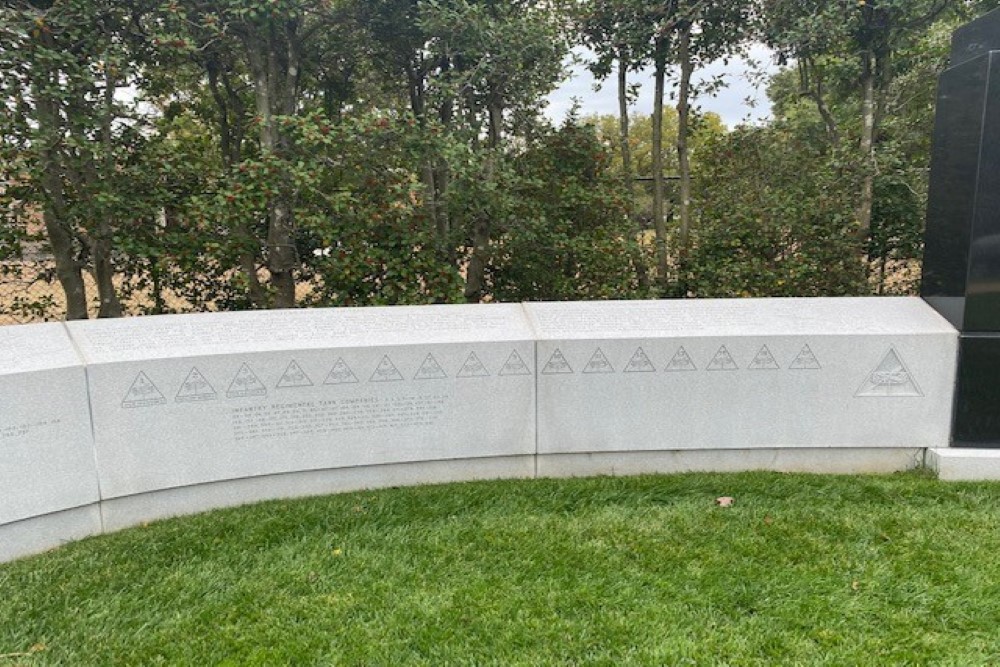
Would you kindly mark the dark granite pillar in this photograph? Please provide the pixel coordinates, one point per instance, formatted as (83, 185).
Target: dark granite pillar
(962, 255)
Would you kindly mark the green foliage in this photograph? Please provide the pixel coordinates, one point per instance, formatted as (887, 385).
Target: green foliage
(509, 52)
(364, 228)
(704, 128)
(775, 219)
(615, 30)
(242, 154)
(569, 236)
(64, 131)
(194, 248)
(362, 233)
(806, 28)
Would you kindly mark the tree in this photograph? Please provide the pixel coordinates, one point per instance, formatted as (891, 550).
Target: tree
(572, 237)
(681, 33)
(365, 228)
(405, 53)
(872, 31)
(614, 32)
(276, 42)
(776, 219)
(706, 31)
(68, 134)
(504, 57)
(705, 127)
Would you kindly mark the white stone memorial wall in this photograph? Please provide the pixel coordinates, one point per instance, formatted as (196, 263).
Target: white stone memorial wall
(774, 374)
(105, 424)
(227, 397)
(48, 480)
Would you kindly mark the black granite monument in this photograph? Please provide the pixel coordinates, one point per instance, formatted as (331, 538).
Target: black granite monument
(962, 255)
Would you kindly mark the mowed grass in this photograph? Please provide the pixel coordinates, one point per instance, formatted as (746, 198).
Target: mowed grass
(802, 570)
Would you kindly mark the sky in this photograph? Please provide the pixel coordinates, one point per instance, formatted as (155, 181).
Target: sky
(729, 102)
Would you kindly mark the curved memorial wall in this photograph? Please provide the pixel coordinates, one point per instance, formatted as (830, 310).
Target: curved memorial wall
(197, 411)
(48, 478)
(106, 424)
(833, 385)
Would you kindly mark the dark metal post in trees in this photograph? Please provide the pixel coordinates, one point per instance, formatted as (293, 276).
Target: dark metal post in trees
(962, 255)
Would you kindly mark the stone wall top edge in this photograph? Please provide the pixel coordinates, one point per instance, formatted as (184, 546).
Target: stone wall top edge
(28, 348)
(841, 316)
(47, 346)
(250, 332)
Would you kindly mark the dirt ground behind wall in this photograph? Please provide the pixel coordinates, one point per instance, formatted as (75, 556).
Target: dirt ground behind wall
(29, 292)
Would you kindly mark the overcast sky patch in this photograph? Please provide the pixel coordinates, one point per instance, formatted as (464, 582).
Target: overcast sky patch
(742, 100)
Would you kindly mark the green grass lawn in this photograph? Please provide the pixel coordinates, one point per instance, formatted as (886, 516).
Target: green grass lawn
(802, 570)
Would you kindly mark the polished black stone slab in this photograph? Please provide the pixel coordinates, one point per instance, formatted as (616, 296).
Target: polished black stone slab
(976, 38)
(977, 401)
(962, 240)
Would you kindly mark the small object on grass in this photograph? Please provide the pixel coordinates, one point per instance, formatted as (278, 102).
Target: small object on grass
(725, 501)
(35, 648)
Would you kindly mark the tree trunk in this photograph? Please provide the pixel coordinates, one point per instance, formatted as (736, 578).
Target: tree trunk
(212, 68)
(282, 255)
(231, 132)
(683, 156)
(68, 269)
(442, 217)
(442, 183)
(811, 79)
(275, 73)
(104, 272)
(628, 177)
(623, 122)
(659, 190)
(475, 283)
(415, 86)
(867, 148)
(101, 246)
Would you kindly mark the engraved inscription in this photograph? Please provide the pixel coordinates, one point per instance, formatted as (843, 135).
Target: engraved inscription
(386, 372)
(764, 361)
(325, 417)
(640, 363)
(294, 376)
(282, 327)
(681, 362)
(557, 364)
(245, 384)
(15, 431)
(806, 360)
(615, 318)
(341, 374)
(599, 363)
(473, 368)
(515, 365)
(142, 393)
(430, 370)
(723, 361)
(891, 378)
(195, 388)
(27, 348)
